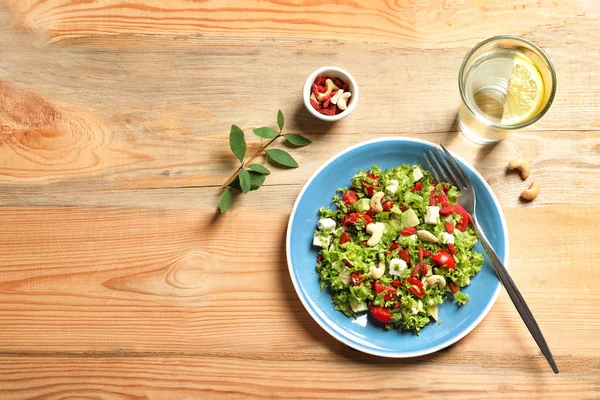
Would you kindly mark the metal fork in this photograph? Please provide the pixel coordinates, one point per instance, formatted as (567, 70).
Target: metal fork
(445, 169)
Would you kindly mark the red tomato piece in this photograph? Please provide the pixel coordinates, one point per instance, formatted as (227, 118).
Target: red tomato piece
(390, 292)
(465, 218)
(408, 231)
(437, 199)
(444, 259)
(418, 186)
(350, 197)
(449, 227)
(446, 210)
(387, 206)
(356, 278)
(415, 286)
(396, 282)
(381, 314)
(344, 238)
(353, 218)
(426, 253)
(370, 183)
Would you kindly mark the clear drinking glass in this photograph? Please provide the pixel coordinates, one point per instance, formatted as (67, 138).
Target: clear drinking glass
(505, 83)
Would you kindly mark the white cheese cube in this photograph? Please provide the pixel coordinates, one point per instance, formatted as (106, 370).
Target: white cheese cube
(397, 266)
(393, 187)
(446, 238)
(433, 215)
(326, 224)
(320, 241)
(417, 174)
(419, 307)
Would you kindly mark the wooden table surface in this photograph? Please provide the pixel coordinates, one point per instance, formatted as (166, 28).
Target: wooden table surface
(118, 277)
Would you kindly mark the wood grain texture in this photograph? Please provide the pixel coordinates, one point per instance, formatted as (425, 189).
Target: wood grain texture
(119, 280)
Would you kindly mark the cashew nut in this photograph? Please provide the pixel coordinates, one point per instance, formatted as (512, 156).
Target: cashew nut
(427, 236)
(330, 88)
(376, 232)
(342, 102)
(436, 280)
(377, 272)
(336, 96)
(532, 192)
(521, 165)
(376, 202)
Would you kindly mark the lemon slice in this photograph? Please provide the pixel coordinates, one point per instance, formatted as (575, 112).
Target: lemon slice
(525, 93)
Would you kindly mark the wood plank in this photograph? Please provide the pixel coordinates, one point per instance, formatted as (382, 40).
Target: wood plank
(241, 377)
(92, 280)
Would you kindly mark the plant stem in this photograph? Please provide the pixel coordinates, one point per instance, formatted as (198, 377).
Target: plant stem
(246, 163)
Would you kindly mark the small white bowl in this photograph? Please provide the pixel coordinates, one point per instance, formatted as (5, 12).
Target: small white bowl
(331, 72)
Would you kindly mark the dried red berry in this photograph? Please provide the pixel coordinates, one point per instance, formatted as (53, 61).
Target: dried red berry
(345, 86)
(320, 80)
(315, 105)
(338, 82)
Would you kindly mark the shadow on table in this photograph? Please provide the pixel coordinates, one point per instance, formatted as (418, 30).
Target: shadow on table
(340, 350)
(304, 122)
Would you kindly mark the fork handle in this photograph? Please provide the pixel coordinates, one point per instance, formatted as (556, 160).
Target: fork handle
(516, 298)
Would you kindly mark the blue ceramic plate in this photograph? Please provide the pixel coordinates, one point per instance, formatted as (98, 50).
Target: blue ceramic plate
(359, 333)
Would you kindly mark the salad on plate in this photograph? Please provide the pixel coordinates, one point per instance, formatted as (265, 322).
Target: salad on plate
(396, 245)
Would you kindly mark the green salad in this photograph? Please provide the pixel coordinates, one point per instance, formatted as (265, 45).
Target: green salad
(396, 245)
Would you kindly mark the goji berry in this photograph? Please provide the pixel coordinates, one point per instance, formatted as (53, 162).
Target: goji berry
(319, 257)
(325, 103)
(327, 111)
(396, 282)
(338, 82)
(364, 242)
(426, 253)
(451, 248)
(408, 231)
(418, 187)
(315, 105)
(420, 253)
(420, 269)
(337, 111)
(345, 86)
(403, 254)
(453, 287)
(403, 207)
(320, 80)
(322, 88)
(315, 90)
(449, 227)
(393, 247)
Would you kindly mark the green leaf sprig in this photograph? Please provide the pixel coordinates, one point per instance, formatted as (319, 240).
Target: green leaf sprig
(250, 176)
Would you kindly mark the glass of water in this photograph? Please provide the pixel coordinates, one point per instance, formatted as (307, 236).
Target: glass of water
(505, 83)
